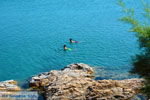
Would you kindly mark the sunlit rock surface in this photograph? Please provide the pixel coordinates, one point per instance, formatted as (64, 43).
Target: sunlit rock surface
(75, 82)
(9, 85)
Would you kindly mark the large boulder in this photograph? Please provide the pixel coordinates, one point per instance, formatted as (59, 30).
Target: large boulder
(75, 82)
(69, 72)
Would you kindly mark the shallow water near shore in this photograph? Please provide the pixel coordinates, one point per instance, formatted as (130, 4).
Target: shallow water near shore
(33, 32)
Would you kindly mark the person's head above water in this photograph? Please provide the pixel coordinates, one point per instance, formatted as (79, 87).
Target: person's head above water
(70, 40)
(65, 47)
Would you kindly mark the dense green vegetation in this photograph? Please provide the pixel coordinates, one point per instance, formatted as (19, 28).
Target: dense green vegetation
(141, 62)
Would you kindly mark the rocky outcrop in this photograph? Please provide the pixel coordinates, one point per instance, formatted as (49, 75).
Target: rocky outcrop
(9, 85)
(75, 82)
(70, 72)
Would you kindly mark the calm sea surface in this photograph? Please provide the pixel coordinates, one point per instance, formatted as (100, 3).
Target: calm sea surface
(33, 32)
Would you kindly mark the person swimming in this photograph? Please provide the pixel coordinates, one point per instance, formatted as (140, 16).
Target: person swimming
(65, 47)
(71, 41)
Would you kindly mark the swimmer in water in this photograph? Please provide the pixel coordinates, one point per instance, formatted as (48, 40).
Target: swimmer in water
(65, 47)
(71, 41)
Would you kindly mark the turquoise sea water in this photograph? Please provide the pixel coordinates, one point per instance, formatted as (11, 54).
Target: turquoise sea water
(33, 32)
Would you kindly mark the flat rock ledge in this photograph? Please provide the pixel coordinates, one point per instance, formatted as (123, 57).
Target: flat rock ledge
(9, 85)
(75, 82)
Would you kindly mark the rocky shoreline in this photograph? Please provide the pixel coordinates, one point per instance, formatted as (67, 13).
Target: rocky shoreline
(76, 82)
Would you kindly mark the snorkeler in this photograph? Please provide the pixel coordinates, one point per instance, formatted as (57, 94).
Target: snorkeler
(65, 47)
(71, 41)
